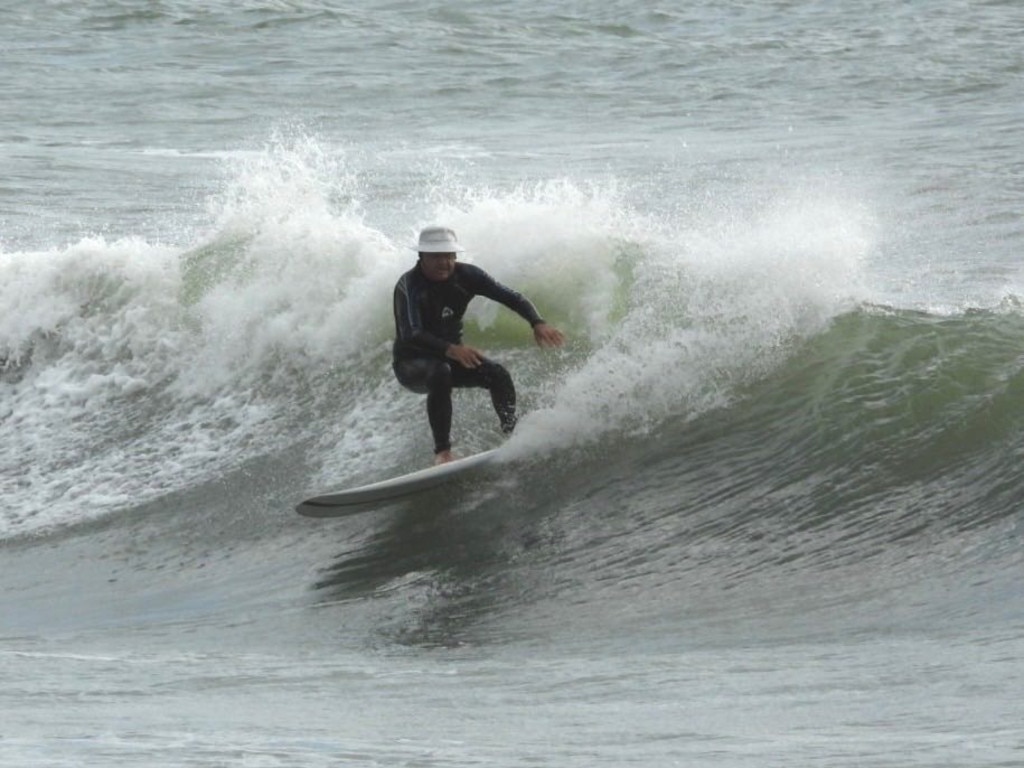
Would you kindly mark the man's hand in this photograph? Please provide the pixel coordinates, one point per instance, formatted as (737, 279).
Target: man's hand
(467, 357)
(547, 335)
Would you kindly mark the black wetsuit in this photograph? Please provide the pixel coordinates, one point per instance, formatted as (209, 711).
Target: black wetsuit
(428, 318)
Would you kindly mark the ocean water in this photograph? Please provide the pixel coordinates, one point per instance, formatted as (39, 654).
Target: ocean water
(764, 509)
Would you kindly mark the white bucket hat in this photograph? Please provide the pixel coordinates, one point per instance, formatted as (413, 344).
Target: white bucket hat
(437, 240)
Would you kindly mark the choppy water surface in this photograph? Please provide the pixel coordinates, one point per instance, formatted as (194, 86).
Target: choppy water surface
(764, 509)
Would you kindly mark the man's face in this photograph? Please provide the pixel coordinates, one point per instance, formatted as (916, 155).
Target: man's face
(437, 266)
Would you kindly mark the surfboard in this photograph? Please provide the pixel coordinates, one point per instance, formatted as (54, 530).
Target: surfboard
(347, 501)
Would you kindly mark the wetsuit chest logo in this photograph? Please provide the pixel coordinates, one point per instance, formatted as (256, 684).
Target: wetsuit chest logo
(447, 312)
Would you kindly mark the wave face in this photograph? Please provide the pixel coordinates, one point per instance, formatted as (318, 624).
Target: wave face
(868, 480)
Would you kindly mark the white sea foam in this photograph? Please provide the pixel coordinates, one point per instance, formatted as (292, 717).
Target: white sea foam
(711, 308)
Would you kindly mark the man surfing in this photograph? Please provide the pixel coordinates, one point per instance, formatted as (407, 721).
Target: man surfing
(428, 354)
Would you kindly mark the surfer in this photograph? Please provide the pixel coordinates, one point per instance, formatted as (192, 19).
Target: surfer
(428, 354)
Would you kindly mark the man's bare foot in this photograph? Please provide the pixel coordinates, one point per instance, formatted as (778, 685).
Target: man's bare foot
(443, 457)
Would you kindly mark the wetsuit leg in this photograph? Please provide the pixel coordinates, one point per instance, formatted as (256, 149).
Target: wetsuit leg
(496, 379)
(434, 379)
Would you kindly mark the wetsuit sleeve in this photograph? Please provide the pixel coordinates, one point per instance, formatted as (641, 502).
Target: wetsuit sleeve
(409, 326)
(485, 285)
